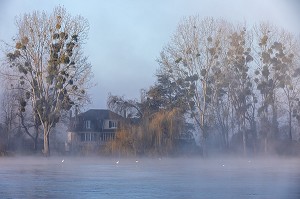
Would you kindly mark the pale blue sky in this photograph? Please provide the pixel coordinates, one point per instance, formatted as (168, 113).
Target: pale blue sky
(126, 36)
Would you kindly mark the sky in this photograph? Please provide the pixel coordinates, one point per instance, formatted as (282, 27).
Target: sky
(127, 36)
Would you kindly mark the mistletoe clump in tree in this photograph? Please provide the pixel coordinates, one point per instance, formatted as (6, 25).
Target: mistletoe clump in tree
(47, 62)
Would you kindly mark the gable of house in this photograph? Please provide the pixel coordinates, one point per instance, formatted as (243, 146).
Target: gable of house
(97, 120)
(93, 128)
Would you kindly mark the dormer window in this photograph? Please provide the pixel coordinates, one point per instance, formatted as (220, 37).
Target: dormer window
(87, 124)
(112, 124)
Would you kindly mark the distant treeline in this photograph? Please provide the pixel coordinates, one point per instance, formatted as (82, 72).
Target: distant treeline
(234, 88)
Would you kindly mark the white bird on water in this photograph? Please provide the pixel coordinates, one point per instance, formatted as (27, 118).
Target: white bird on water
(62, 161)
(117, 162)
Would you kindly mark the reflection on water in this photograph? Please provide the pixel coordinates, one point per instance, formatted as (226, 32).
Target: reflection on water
(149, 178)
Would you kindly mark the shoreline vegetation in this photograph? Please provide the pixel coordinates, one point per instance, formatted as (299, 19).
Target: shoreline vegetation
(280, 149)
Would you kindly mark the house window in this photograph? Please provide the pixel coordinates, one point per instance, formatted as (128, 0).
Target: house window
(82, 137)
(87, 137)
(107, 136)
(93, 137)
(87, 124)
(112, 124)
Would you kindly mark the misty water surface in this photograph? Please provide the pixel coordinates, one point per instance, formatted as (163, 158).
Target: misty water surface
(149, 178)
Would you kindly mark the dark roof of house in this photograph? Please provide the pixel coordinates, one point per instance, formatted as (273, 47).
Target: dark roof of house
(100, 114)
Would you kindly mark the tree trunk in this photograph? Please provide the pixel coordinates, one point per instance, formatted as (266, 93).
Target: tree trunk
(204, 133)
(254, 134)
(244, 139)
(242, 129)
(204, 142)
(204, 147)
(266, 145)
(275, 121)
(226, 139)
(46, 150)
(35, 144)
(244, 142)
(290, 125)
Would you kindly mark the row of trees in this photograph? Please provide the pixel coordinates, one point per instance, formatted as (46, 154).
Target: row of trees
(214, 78)
(45, 70)
(227, 79)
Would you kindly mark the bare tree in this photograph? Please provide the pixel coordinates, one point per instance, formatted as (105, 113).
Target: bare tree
(47, 62)
(289, 76)
(240, 86)
(192, 59)
(276, 77)
(9, 108)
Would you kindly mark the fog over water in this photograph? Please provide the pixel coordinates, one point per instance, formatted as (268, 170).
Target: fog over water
(149, 178)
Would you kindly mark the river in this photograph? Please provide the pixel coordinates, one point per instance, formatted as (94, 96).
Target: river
(96, 177)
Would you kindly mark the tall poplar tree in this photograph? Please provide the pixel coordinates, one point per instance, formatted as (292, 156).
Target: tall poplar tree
(47, 62)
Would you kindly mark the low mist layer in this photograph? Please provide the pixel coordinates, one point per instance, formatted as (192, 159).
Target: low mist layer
(94, 177)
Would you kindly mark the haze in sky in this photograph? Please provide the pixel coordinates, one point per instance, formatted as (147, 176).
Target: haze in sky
(126, 36)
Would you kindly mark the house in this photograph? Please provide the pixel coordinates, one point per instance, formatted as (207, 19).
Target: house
(90, 130)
